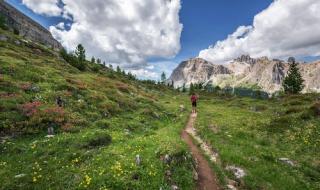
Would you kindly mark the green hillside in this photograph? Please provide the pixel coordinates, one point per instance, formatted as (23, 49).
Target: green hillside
(106, 121)
(116, 132)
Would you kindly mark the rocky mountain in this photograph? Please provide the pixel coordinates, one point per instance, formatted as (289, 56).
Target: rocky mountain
(26, 27)
(244, 71)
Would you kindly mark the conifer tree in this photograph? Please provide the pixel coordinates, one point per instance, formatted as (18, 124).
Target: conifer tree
(184, 88)
(98, 61)
(93, 60)
(293, 82)
(81, 56)
(163, 78)
(118, 69)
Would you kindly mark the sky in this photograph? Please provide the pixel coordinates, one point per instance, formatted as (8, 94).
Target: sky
(148, 37)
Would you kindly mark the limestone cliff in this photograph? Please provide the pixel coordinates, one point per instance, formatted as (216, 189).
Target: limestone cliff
(28, 28)
(245, 71)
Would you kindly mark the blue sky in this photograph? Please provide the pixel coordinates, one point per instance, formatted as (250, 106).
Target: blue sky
(205, 22)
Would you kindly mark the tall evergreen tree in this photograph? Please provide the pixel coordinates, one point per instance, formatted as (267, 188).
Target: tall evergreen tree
(293, 82)
(98, 61)
(118, 69)
(93, 60)
(184, 88)
(163, 78)
(81, 56)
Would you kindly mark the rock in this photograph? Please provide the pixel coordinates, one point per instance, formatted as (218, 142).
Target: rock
(50, 130)
(237, 172)
(20, 175)
(287, 161)
(168, 173)
(174, 187)
(231, 187)
(138, 160)
(49, 136)
(3, 38)
(27, 27)
(263, 72)
(17, 42)
(195, 175)
(167, 159)
(182, 108)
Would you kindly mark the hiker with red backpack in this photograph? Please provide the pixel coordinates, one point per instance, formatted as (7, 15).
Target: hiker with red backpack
(194, 99)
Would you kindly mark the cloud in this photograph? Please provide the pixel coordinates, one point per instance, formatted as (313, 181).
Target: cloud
(154, 69)
(286, 28)
(125, 32)
(44, 7)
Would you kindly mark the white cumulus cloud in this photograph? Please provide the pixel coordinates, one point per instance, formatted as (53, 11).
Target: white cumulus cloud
(45, 7)
(123, 32)
(286, 28)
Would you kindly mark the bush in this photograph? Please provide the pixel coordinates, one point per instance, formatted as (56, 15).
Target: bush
(3, 24)
(103, 124)
(98, 141)
(16, 31)
(316, 109)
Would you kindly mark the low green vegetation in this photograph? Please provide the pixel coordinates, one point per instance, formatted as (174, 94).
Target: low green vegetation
(255, 134)
(111, 130)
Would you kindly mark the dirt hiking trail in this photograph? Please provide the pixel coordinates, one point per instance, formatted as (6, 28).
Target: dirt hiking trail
(206, 178)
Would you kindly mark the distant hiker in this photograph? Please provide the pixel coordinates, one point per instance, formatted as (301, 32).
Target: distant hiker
(194, 99)
(59, 101)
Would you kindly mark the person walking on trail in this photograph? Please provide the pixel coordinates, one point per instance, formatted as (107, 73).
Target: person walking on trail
(194, 99)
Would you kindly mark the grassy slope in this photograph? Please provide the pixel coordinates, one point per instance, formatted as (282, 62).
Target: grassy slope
(254, 134)
(140, 119)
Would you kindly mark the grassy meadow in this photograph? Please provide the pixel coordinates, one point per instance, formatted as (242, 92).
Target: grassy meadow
(254, 134)
(106, 121)
(109, 118)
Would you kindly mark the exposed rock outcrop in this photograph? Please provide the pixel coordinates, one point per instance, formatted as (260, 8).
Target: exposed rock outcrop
(28, 28)
(245, 72)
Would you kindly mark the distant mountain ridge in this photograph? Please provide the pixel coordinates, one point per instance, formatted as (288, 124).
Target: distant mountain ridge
(244, 71)
(27, 27)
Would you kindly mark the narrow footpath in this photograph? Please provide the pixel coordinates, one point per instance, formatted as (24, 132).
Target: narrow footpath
(206, 178)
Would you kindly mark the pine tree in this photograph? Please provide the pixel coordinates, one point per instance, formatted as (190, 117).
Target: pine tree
(293, 82)
(98, 61)
(184, 88)
(118, 69)
(81, 56)
(163, 78)
(93, 60)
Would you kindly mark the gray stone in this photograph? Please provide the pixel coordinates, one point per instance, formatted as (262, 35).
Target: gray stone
(3, 38)
(237, 172)
(20, 175)
(287, 161)
(27, 27)
(174, 187)
(138, 160)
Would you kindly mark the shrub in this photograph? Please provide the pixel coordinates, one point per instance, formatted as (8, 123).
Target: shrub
(31, 108)
(3, 23)
(316, 109)
(103, 124)
(16, 31)
(98, 141)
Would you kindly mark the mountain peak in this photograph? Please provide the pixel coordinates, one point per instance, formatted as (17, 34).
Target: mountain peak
(246, 59)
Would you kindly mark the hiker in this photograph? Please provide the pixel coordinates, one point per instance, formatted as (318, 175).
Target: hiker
(194, 99)
(59, 101)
